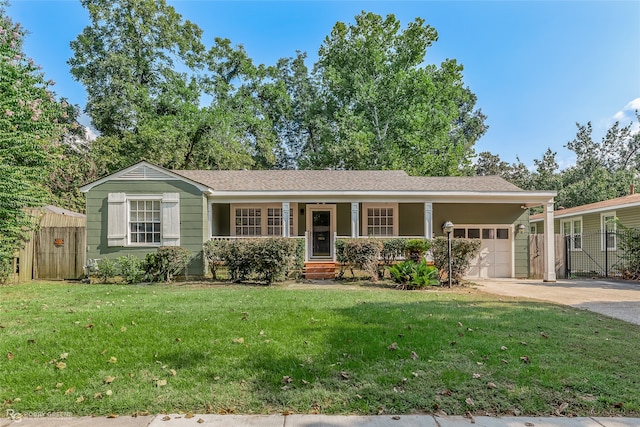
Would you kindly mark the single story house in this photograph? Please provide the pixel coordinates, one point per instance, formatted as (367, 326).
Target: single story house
(592, 242)
(146, 206)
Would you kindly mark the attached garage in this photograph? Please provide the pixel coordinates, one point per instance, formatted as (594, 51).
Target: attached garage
(496, 256)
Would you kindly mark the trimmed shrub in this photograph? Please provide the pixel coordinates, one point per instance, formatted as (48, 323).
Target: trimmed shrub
(107, 269)
(166, 263)
(131, 268)
(295, 267)
(392, 251)
(212, 255)
(363, 254)
(268, 259)
(411, 275)
(415, 249)
(462, 250)
(341, 257)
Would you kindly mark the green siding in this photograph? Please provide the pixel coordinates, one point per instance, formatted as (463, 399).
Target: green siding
(343, 219)
(193, 219)
(302, 218)
(411, 219)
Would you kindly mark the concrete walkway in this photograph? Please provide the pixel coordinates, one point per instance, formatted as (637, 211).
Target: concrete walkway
(618, 299)
(319, 421)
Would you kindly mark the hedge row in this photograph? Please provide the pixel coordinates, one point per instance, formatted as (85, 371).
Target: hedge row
(266, 260)
(160, 266)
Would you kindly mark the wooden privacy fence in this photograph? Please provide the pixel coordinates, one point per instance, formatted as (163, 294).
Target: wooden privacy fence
(59, 253)
(536, 256)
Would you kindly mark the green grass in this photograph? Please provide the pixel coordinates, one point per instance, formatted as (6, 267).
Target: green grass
(229, 349)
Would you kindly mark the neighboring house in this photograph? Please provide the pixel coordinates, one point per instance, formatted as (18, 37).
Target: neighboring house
(591, 239)
(145, 206)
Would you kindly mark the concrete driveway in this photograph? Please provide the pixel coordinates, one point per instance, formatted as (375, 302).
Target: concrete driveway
(619, 299)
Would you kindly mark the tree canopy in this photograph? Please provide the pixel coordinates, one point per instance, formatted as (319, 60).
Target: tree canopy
(32, 125)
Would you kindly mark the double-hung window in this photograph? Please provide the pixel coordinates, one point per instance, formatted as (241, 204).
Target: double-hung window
(144, 222)
(380, 220)
(143, 219)
(572, 229)
(608, 227)
(248, 221)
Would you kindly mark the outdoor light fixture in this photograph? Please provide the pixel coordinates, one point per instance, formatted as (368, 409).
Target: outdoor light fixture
(521, 228)
(447, 227)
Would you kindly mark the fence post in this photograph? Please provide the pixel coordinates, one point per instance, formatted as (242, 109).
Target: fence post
(606, 252)
(567, 257)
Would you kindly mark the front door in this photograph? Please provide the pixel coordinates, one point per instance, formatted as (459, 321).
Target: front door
(321, 225)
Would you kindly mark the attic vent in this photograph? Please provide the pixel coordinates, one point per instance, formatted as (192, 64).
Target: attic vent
(143, 172)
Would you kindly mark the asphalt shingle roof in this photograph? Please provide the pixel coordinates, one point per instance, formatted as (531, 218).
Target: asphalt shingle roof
(618, 202)
(332, 180)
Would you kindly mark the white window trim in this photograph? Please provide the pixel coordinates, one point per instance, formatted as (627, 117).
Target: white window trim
(142, 198)
(293, 207)
(364, 220)
(119, 217)
(603, 226)
(572, 234)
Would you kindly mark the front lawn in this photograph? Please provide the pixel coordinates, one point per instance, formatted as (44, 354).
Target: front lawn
(102, 349)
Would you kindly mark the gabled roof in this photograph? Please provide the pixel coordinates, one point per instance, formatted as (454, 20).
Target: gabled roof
(339, 180)
(249, 184)
(605, 205)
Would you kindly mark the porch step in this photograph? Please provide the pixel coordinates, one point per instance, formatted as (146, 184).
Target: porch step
(319, 270)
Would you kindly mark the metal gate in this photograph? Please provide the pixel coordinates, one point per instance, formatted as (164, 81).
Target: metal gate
(600, 254)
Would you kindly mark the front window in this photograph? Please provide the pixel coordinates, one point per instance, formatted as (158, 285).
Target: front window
(573, 230)
(248, 222)
(144, 221)
(608, 228)
(380, 222)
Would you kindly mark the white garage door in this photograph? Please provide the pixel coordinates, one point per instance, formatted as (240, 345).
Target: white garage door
(495, 258)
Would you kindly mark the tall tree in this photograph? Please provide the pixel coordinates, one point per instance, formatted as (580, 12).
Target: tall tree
(128, 57)
(380, 107)
(31, 126)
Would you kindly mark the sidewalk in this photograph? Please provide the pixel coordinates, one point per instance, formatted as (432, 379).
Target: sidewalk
(175, 420)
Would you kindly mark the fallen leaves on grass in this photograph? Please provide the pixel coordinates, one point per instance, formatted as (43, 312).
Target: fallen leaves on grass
(525, 359)
(64, 356)
(161, 383)
(238, 340)
(491, 385)
(61, 365)
(69, 391)
(286, 379)
(470, 401)
(109, 379)
(113, 359)
(393, 346)
(10, 356)
(414, 355)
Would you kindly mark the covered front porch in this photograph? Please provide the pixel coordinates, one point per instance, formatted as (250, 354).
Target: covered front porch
(320, 224)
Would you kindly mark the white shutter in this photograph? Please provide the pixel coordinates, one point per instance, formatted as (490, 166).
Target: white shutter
(117, 219)
(171, 219)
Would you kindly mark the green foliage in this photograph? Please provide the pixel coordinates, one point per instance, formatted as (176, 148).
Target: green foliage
(411, 274)
(132, 268)
(462, 251)
(372, 103)
(295, 268)
(363, 254)
(212, 252)
(268, 259)
(392, 250)
(341, 257)
(107, 270)
(628, 240)
(416, 248)
(167, 262)
(31, 125)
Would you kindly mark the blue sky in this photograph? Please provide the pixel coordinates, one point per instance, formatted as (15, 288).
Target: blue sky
(537, 67)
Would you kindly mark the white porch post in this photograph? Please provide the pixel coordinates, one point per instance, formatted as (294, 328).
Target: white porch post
(428, 220)
(549, 244)
(355, 219)
(210, 220)
(286, 212)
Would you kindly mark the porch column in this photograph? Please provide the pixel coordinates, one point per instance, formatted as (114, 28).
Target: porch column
(428, 220)
(286, 212)
(210, 220)
(549, 244)
(355, 219)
